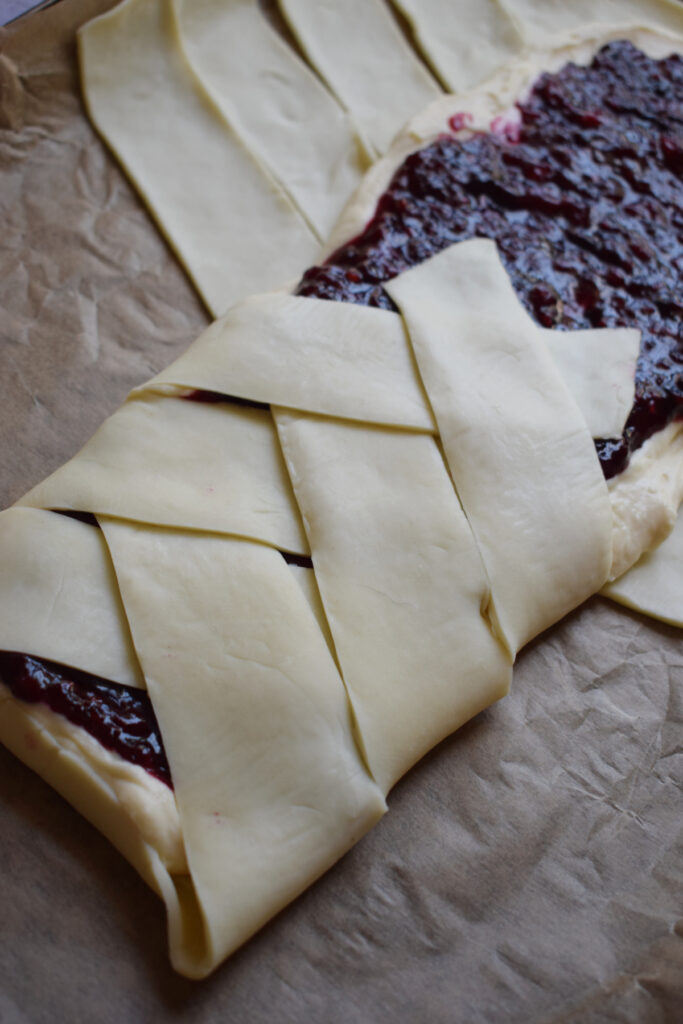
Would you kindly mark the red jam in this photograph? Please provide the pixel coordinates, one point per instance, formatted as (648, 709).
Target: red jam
(585, 202)
(120, 717)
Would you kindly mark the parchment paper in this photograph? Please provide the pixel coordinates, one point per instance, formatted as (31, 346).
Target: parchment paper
(529, 870)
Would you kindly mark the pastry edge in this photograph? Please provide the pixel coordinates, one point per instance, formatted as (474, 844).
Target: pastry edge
(134, 810)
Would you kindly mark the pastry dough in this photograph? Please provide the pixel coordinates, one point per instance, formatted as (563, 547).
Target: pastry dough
(358, 49)
(256, 724)
(138, 84)
(402, 582)
(464, 41)
(59, 598)
(271, 97)
(173, 462)
(517, 446)
(282, 735)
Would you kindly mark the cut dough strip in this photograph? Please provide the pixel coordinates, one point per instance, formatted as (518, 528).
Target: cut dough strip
(275, 104)
(137, 85)
(598, 367)
(325, 357)
(355, 362)
(172, 462)
(516, 443)
(542, 20)
(257, 729)
(59, 599)
(359, 50)
(465, 41)
(402, 584)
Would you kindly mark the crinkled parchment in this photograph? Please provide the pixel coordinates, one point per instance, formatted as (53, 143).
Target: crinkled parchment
(530, 869)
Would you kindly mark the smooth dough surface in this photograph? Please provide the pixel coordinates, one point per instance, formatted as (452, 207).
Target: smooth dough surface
(645, 501)
(173, 462)
(332, 358)
(355, 362)
(359, 50)
(59, 598)
(541, 20)
(465, 41)
(212, 199)
(517, 446)
(402, 582)
(598, 366)
(276, 104)
(270, 787)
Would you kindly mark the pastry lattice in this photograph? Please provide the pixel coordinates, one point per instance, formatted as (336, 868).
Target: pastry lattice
(444, 480)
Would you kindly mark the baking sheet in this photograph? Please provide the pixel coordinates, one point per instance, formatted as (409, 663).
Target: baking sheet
(529, 869)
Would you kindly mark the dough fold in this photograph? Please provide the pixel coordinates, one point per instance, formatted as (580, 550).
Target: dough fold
(270, 787)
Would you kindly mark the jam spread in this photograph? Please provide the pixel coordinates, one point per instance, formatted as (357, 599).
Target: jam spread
(120, 717)
(584, 198)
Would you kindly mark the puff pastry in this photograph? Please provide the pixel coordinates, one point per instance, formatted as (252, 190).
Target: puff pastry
(447, 524)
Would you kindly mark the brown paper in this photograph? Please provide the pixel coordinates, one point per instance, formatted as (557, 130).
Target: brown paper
(529, 869)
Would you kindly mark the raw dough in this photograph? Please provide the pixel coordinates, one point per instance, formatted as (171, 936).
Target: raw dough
(137, 84)
(520, 454)
(225, 632)
(275, 103)
(182, 463)
(359, 50)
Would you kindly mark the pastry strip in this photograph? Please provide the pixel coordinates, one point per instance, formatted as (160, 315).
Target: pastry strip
(466, 41)
(598, 367)
(359, 50)
(137, 84)
(59, 599)
(543, 20)
(515, 441)
(270, 787)
(355, 362)
(402, 583)
(326, 357)
(275, 103)
(174, 462)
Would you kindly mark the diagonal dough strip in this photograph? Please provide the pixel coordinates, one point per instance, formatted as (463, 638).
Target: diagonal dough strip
(333, 358)
(270, 787)
(355, 362)
(465, 41)
(137, 84)
(276, 104)
(358, 49)
(540, 20)
(172, 462)
(402, 582)
(59, 599)
(518, 448)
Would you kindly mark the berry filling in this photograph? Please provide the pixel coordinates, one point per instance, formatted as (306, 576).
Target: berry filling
(584, 198)
(120, 717)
